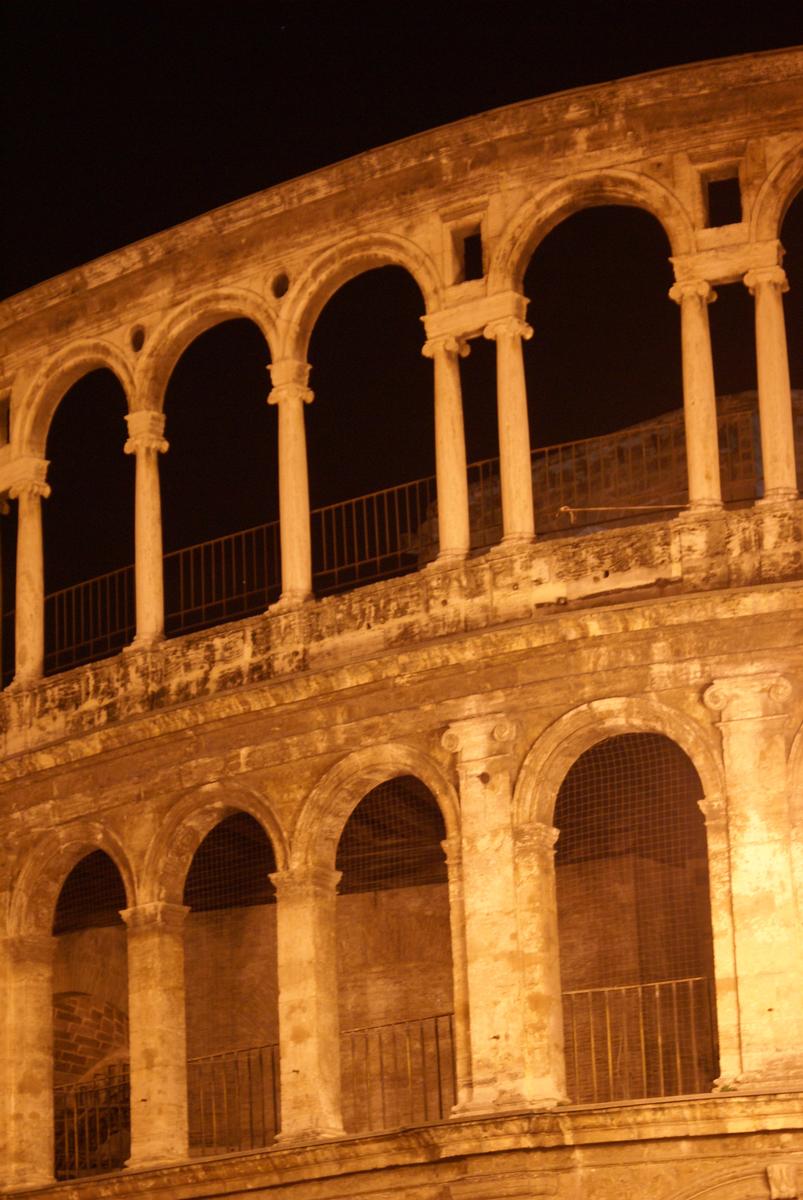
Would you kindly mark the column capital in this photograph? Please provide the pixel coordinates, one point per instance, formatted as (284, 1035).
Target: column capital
(508, 327)
(446, 344)
(714, 811)
(452, 847)
(157, 914)
(145, 430)
(775, 276)
(477, 738)
(288, 370)
(305, 881)
(29, 477)
(685, 289)
(746, 697)
(535, 840)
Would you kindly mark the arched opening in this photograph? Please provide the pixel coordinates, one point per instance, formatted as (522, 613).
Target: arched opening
(634, 925)
(371, 439)
(603, 372)
(394, 960)
(90, 1021)
(231, 989)
(219, 481)
(88, 526)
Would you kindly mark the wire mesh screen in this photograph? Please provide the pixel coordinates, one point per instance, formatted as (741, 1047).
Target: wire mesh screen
(634, 922)
(393, 839)
(231, 989)
(91, 897)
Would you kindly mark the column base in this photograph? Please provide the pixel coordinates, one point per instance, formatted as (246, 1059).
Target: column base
(23, 683)
(700, 508)
(144, 641)
(512, 542)
(778, 496)
(447, 560)
(288, 602)
(304, 1137)
(781, 1074)
(493, 1100)
(152, 1162)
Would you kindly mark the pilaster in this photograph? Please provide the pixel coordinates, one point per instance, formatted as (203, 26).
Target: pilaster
(29, 489)
(290, 392)
(454, 535)
(515, 458)
(699, 394)
(767, 285)
(145, 441)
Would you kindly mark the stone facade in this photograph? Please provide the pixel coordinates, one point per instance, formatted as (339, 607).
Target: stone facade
(485, 677)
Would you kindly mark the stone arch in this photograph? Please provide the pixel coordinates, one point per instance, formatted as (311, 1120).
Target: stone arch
(33, 413)
(558, 748)
(739, 1184)
(775, 196)
(546, 209)
(168, 341)
(316, 286)
(47, 865)
(335, 796)
(186, 825)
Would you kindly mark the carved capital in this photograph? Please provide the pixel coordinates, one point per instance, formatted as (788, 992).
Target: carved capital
(448, 344)
(535, 840)
(508, 327)
(770, 276)
(289, 370)
(287, 393)
(305, 883)
(158, 914)
(745, 697)
(452, 847)
(145, 430)
(479, 738)
(29, 478)
(689, 289)
(713, 810)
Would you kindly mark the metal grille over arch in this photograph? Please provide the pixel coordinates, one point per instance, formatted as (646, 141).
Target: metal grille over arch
(231, 989)
(634, 923)
(394, 960)
(90, 1021)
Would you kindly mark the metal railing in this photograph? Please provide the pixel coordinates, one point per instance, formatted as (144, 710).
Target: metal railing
(401, 1073)
(395, 531)
(233, 1100)
(93, 1124)
(647, 1039)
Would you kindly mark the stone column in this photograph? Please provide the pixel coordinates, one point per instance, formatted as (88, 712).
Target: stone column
(26, 1066)
(452, 848)
(515, 458)
(454, 535)
(309, 1024)
(290, 392)
(157, 1033)
(766, 928)
(699, 394)
(726, 997)
(145, 440)
(767, 285)
(29, 616)
(498, 1020)
(537, 914)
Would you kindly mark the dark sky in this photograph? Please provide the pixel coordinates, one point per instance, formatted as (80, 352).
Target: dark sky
(121, 120)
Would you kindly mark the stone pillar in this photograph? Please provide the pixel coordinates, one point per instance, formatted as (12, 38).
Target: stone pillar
(699, 394)
(157, 1033)
(498, 1020)
(29, 616)
(767, 285)
(515, 458)
(537, 914)
(454, 535)
(26, 1066)
(145, 440)
(726, 997)
(452, 848)
(290, 392)
(766, 929)
(309, 1023)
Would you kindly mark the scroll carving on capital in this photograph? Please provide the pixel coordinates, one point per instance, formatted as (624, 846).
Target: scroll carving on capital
(305, 882)
(772, 276)
(686, 289)
(511, 327)
(447, 344)
(742, 697)
(157, 914)
(29, 478)
(478, 738)
(536, 840)
(289, 377)
(145, 432)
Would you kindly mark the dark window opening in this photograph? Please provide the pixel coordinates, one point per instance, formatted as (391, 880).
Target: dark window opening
(724, 202)
(472, 255)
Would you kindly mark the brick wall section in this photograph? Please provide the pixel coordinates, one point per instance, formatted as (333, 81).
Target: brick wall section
(85, 1032)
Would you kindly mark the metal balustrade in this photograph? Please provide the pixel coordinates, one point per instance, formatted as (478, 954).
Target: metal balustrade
(93, 1124)
(632, 1042)
(620, 476)
(233, 1100)
(401, 1073)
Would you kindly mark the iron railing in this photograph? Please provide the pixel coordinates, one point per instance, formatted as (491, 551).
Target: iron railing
(402, 1073)
(625, 475)
(233, 1100)
(93, 1124)
(647, 1039)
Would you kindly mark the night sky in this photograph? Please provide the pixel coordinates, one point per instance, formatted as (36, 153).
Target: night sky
(121, 120)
